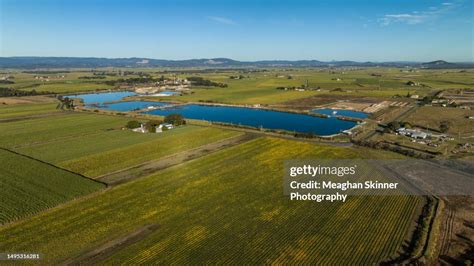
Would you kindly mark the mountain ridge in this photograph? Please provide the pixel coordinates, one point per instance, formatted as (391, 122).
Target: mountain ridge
(31, 62)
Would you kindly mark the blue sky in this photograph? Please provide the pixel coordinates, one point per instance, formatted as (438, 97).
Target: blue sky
(365, 30)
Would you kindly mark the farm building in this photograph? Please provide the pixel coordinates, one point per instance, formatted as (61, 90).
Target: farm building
(419, 135)
(140, 129)
(416, 134)
(159, 128)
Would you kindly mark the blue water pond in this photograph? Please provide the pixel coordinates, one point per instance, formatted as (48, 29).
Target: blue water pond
(100, 98)
(234, 115)
(260, 118)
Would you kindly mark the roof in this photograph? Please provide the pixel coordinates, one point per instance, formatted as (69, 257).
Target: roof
(419, 134)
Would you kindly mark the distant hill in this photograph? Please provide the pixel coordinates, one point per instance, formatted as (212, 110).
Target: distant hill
(135, 62)
(441, 64)
(437, 62)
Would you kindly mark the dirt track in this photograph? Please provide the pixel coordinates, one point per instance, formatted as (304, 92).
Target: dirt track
(457, 235)
(147, 168)
(106, 250)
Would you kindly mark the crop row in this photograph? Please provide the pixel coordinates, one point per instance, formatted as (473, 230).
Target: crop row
(29, 186)
(226, 207)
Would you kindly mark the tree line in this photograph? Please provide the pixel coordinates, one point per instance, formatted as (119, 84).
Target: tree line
(8, 92)
(198, 81)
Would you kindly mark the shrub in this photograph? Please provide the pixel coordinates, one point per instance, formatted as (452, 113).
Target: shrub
(444, 126)
(150, 126)
(132, 124)
(175, 119)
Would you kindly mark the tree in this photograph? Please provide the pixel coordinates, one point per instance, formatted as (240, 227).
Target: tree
(444, 126)
(65, 103)
(407, 125)
(132, 124)
(175, 119)
(394, 125)
(150, 126)
(427, 100)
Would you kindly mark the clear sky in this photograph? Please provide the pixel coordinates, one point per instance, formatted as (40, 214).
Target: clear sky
(361, 30)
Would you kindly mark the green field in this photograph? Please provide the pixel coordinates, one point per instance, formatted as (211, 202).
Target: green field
(262, 90)
(95, 144)
(222, 207)
(457, 118)
(10, 111)
(29, 186)
(167, 143)
(260, 87)
(43, 130)
(225, 208)
(56, 82)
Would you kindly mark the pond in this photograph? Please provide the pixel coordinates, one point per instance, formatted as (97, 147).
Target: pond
(335, 112)
(130, 106)
(100, 98)
(165, 93)
(260, 118)
(228, 114)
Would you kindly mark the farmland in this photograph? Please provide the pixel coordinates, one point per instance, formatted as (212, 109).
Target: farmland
(29, 190)
(92, 144)
(120, 157)
(220, 207)
(24, 132)
(457, 119)
(56, 81)
(208, 193)
(18, 107)
(259, 87)
(236, 132)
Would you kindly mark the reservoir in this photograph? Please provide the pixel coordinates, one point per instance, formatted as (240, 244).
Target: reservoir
(131, 105)
(260, 118)
(253, 117)
(100, 98)
(165, 93)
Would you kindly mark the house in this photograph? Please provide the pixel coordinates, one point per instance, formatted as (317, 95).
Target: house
(169, 126)
(419, 135)
(160, 127)
(416, 134)
(140, 129)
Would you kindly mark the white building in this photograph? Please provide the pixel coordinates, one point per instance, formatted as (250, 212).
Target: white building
(140, 129)
(159, 128)
(416, 134)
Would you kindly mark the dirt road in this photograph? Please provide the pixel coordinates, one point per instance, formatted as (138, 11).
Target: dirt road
(109, 248)
(125, 175)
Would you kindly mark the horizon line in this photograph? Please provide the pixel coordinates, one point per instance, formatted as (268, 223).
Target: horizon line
(249, 61)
